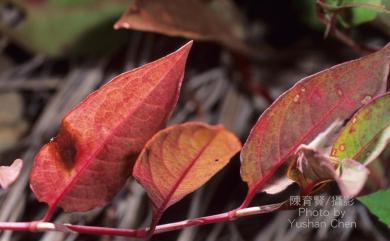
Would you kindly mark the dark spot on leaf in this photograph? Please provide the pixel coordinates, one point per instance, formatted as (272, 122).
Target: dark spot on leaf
(65, 148)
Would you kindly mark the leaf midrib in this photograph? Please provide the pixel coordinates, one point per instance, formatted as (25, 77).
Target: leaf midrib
(93, 156)
(181, 178)
(278, 163)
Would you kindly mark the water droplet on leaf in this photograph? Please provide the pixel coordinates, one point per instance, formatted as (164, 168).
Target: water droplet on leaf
(366, 99)
(342, 147)
(296, 98)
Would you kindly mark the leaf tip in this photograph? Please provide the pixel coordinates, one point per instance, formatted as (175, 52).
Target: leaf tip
(121, 24)
(185, 49)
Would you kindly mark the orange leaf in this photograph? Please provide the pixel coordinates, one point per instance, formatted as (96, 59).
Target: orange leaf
(90, 159)
(180, 159)
(9, 174)
(305, 110)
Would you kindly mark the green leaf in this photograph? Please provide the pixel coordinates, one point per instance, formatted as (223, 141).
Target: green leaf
(383, 20)
(362, 14)
(378, 204)
(57, 27)
(367, 133)
(355, 12)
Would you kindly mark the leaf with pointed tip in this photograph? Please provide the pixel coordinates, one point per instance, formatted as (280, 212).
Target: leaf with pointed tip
(367, 133)
(378, 204)
(216, 20)
(9, 174)
(89, 160)
(180, 159)
(307, 109)
(310, 169)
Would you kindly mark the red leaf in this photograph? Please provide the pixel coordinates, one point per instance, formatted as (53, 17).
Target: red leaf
(180, 159)
(90, 159)
(307, 109)
(9, 174)
(217, 20)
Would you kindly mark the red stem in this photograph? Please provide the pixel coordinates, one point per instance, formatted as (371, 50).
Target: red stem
(49, 213)
(141, 233)
(15, 226)
(39, 226)
(254, 189)
(247, 80)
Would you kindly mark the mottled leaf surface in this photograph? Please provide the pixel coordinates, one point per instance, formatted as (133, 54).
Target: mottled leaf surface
(367, 133)
(9, 174)
(180, 159)
(378, 204)
(305, 110)
(87, 163)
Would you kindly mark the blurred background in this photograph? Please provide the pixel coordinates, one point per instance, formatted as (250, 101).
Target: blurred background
(246, 53)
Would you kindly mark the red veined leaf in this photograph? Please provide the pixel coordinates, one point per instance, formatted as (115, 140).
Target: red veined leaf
(310, 169)
(9, 174)
(180, 159)
(90, 159)
(367, 133)
(307, 109)
(280, 181)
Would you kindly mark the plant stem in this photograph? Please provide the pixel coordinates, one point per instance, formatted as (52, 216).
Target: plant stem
(344, 38)
(38, 226)
(35, 226)
(248, 83)
(49, 213)
(378, 8)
